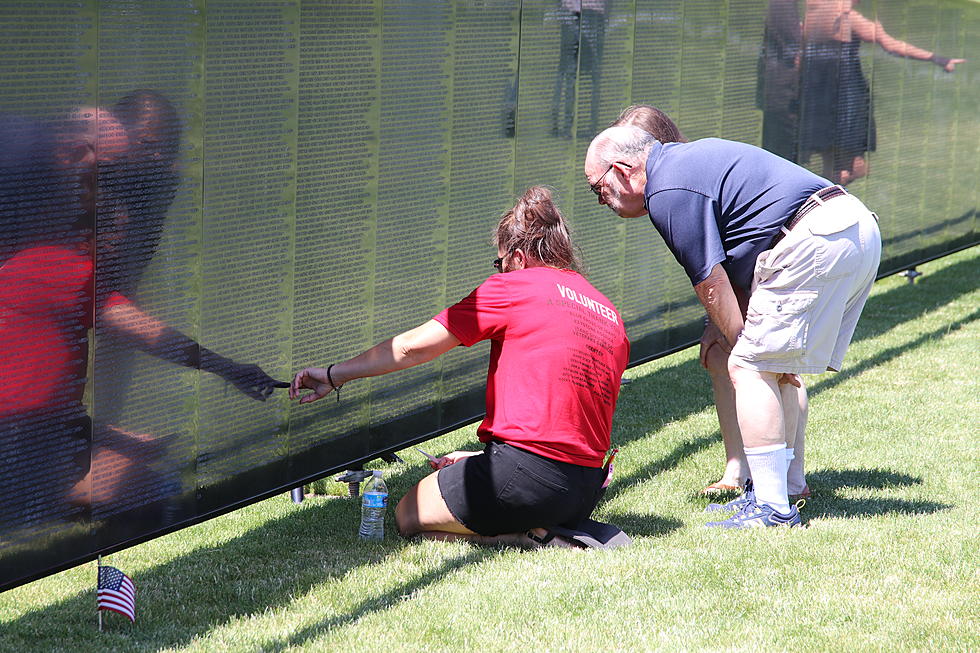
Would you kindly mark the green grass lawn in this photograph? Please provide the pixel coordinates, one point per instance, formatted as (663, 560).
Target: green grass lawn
(889, 559)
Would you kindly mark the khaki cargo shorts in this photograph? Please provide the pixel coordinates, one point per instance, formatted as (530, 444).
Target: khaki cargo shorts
(808, 291)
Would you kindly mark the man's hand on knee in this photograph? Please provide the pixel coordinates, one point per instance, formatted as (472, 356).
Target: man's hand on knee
(714, 349)
(791, 379)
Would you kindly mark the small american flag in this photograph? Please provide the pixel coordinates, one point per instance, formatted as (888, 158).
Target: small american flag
(116, 592)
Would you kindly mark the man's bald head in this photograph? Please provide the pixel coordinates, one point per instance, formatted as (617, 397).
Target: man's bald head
(622, 142)
(104, 131)
(615, 168)
(91, 136)
(92, 145)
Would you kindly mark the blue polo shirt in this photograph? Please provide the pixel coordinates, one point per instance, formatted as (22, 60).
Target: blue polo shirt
(716, 201)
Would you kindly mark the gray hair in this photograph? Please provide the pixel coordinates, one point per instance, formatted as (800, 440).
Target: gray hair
(622, 142)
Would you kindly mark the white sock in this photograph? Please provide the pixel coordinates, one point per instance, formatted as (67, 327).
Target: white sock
(768, 466)
(789, 459)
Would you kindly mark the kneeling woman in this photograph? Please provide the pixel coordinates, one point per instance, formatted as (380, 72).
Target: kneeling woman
(558, 350)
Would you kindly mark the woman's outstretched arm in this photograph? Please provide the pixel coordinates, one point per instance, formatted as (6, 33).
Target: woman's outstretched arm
(408, 349)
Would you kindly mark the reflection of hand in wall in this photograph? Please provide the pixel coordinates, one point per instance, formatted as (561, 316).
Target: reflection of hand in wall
(945, 63)
(248, 378)
(156, 338)
(874, 32)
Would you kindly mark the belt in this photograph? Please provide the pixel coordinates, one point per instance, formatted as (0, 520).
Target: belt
(811, 203)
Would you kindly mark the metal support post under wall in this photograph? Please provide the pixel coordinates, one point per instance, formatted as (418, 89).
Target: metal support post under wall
(353, 480)
(911, 274)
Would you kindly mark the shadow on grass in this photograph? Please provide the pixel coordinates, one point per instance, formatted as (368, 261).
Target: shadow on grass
(887, 355)
(826, 502)
(644, 524)
(634, 524)
(831, 480)
(266, 568)
(673, 393)
(377, 603)
(683, 450)
(910, 301)
(856, 508)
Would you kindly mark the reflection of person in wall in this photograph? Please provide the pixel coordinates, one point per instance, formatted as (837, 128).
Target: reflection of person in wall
(45, 311)
(145, 183)
(153, 129)
(778, 87)
(583, 32)
(714, 353)
(558, 350)
(134, 183)
(835, 105)
(134, 193)
(49, 301)
(804, 251)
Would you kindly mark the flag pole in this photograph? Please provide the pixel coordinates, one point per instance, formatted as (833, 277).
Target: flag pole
(98, 570)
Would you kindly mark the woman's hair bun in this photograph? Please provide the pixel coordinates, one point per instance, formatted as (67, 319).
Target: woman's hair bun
(536, 226)
(536, 207)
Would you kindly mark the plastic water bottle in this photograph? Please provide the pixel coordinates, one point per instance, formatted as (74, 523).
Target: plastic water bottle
(373, 506)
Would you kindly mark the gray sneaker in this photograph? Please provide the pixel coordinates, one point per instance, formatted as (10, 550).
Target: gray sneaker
(748, 496)
(759, 515)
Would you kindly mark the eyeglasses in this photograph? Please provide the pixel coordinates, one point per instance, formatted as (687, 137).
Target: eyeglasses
(498, 263)
(597, 186)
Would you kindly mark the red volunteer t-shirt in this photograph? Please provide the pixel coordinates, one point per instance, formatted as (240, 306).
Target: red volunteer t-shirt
(45, 313)
(558, 351)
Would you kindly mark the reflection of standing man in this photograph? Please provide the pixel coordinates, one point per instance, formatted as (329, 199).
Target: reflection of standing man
(836, 119)
(806, 252)
(583, 29)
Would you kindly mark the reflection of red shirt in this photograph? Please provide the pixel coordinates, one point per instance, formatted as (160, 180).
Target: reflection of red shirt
(45, 313)
(558, 351)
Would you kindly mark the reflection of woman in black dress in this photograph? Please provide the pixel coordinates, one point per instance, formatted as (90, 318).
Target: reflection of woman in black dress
(835, 100)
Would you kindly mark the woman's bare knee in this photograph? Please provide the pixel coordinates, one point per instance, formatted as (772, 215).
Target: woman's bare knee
(406, 514)
(423, 509)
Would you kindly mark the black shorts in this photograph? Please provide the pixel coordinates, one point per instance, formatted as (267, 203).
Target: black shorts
(508, 490)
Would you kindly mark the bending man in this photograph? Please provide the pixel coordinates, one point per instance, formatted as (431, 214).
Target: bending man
(805, 251)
